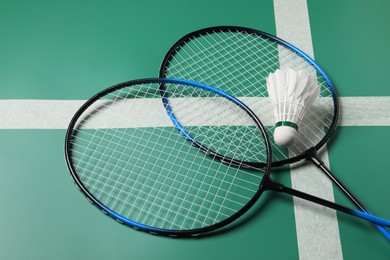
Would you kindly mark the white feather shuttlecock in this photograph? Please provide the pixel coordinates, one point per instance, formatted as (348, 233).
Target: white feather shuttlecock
(291, 93)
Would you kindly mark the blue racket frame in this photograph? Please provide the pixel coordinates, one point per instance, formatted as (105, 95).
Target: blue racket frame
(311, 153)
(140, 226)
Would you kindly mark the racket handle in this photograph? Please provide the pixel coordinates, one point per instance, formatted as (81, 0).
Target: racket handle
(312, 155)
(360, 214)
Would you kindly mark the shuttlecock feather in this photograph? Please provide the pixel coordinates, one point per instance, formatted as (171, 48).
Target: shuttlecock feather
(291, 93)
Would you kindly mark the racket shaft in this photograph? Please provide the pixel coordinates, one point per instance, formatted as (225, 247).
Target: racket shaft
(355, 201)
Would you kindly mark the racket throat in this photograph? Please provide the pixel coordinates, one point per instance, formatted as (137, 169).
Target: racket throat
(268, 184)
(312, 155)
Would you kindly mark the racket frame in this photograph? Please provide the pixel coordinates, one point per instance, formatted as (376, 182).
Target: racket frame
(336, 109)
(147, 228)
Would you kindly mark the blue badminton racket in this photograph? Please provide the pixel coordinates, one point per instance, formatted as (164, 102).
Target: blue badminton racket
(125, 153)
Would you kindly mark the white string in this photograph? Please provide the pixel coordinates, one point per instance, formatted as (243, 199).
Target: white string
(238, 63)
(154, 175)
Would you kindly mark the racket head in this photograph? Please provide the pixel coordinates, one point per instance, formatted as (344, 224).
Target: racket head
(238, 60)
(126, 155)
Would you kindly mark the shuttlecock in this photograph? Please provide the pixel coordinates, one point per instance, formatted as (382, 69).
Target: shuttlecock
(291, 93)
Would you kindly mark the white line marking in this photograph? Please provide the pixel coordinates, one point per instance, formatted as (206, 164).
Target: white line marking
(37, 114)
(365, 111)
(56, 114)
(317, 228)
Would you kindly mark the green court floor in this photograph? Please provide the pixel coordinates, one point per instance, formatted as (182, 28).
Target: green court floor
(53, 51)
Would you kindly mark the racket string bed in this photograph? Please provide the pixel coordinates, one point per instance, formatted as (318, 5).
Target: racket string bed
(238, 61)
(132, 161)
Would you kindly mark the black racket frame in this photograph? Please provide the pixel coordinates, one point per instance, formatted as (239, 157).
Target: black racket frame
(139, 226)
(310, 154)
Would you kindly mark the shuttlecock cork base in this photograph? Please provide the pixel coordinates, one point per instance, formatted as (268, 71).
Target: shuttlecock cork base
(285, 133)
(290, 92)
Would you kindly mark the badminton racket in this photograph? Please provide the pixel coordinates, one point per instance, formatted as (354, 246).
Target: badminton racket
(238, 61)
(125, 153)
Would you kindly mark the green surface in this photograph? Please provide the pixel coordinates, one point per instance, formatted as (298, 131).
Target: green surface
(351, 41)
(71, 49)
(361, 165)
(50, 219)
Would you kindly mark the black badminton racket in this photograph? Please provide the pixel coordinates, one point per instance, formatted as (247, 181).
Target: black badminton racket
(125, 153)
(238, 61)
